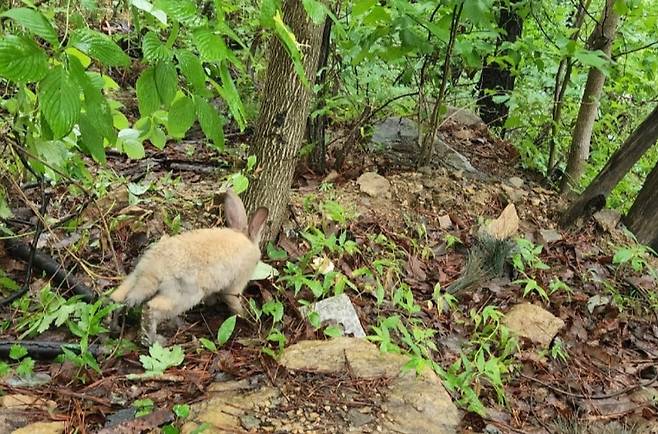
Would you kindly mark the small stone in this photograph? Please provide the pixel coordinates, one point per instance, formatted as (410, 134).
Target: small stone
(24, 402)
(533, 322)
(331, 177)
(338, 310)
(358, 419)
(445, 222)
(249, 422)
(515, 182)
(547, 236)
(374, 185)
(514, 195)
(608, 219)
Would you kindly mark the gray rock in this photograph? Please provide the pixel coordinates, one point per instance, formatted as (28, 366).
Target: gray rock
(249, 422)
(374, 185)
(453, 159)
(396, 133)
(515, 182)
(358, 419)
(463, 116)
(338, 310)
(34, 380)
(608, 219)
(445, 222)
(547, 236)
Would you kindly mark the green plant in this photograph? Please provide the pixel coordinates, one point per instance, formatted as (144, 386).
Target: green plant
(160, 359)
(526, 255)
(226, 330)
(531, 286)
(558, 351)
(635, 255)
(143, 407)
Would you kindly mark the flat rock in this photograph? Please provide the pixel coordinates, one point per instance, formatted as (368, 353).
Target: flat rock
(374, 185)
(534, 323)
(338, 310)
(414, 403)
(547, 236)
(24, 402)
(396, 133)
(514, 195)
(445, 222)
(515, 182)
(451, 158)
(505, 226)
(608, 219)
(463, 116)
(41, 428)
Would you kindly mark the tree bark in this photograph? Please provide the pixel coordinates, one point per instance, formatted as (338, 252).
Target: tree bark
(316, 126)
(497, 79)
(601, 39)
(279, 131)
(642, 218)
(637, 144)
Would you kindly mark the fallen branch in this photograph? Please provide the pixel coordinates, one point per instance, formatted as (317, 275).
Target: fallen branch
(47, 350)
(49, 266)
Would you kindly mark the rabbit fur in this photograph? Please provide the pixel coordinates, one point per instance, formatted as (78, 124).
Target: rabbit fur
(178, 272)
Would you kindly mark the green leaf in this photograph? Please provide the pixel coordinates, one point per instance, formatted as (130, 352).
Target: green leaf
(291, 45)
(316, 10)
(208, 344)
(128, 141)
(100, 47)
(159, 358)
(91, 139)
(192, 69)
(21, 60)
(166, 82)
(362, 6)
(239, 183)
(34, 22)
(211, 123)
(183, 11)
(333, 331)
(181, 117)
(276, 254)
(181, 410)
(230, 93)
(150, 9)
(275, 309)
(263, 271)
(210, 45)
(59, 98)
(226, 330)
(148, 99)
(17, 352)
(153, 49)
(25, 368)
(158, 138)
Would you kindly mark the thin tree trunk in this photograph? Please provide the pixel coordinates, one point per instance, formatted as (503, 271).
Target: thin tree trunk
(497, 79)
(316, 126)
(427, 150)
(562, 84)
(601, 39)
(280, 128)
(637, 144)
(642, 218)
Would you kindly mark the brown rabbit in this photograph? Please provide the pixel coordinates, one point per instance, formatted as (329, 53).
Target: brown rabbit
(178, 272)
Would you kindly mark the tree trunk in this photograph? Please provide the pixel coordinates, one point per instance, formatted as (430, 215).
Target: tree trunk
(497, 79)
(316, 127)
(637, 144)
(285, 105)
(562, 84)
(642, 218)
(601, 39)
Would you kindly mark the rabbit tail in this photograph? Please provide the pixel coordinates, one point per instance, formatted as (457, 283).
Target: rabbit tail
(136, 288)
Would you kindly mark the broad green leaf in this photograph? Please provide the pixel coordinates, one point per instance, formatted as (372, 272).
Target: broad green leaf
(230, 93)
(150, 9)
(153, 49)
(129, 142)
(159, 358)
(84, 60)
(192, 69)
(208, 344)
(291, 45)
(226, 330)
(210, 45)
(316, 10)
(148, 99)
(91, 139)
(59, 98)
(594, 59)
(333, 331)
(17, 352)
(362, 6)
(181, 410)
(239, 182)
(21, 60)
(158, 138)
(184, 11)
(181, 117)
(95, 104)
(34, 22)
(210, 121)
(264, 271)
(166, 82)
(100, 47)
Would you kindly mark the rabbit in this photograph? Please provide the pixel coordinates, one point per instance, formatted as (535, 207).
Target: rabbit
(178, 272)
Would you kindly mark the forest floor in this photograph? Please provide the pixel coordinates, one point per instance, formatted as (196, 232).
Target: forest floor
(610, 336)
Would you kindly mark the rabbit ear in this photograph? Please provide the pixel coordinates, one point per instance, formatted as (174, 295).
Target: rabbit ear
(234, 211)
(257, 223)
